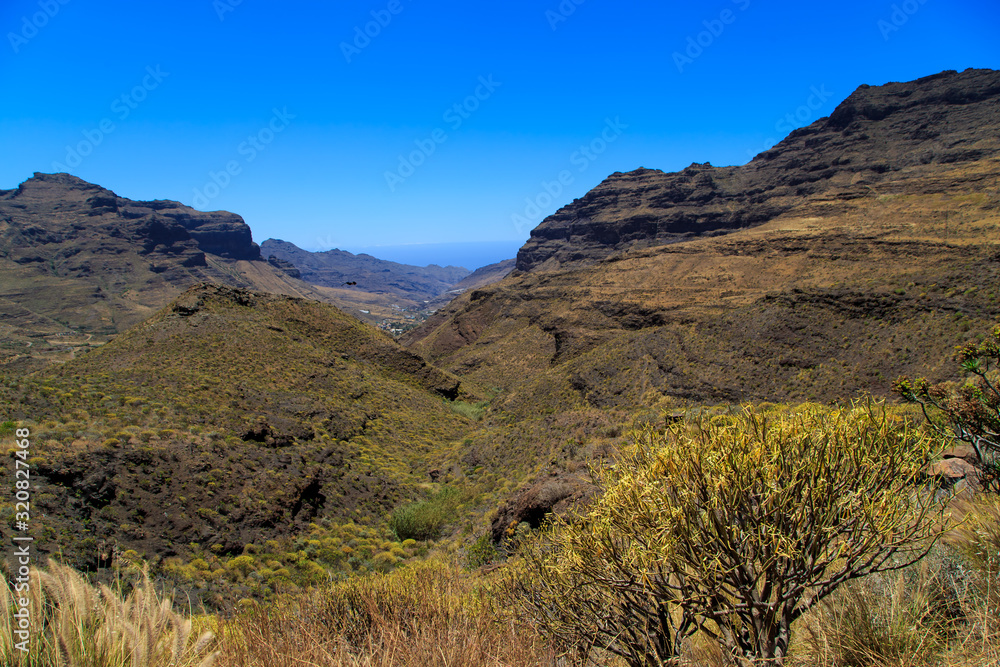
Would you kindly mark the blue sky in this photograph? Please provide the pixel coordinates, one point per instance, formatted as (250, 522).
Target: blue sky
(320, 134)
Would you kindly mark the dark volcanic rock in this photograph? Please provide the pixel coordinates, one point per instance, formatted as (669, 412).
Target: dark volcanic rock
(877, 133)
(159, 226)
(76, 256)
(284, 265)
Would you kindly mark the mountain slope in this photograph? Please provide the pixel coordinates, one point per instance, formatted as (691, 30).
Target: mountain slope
(895, 132)
(334, 268)
(226, 418)
(481, 277)
(79, 264)
(851, 278)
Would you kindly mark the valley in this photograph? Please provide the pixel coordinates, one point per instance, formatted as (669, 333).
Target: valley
(250, 422)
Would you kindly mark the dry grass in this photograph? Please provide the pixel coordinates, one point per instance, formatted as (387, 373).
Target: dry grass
(429, 615)
(943, 611)
(74, 624)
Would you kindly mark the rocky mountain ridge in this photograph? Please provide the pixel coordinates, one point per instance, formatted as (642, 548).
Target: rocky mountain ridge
(334, 268)
(859, 248)
(79, 264)
(894, 132)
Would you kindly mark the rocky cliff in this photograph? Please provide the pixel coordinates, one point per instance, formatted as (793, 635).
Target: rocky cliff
(894, 132)
(78, 263)
(861, 248)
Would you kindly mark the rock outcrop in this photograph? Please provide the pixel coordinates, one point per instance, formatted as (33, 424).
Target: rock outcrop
(880, 133)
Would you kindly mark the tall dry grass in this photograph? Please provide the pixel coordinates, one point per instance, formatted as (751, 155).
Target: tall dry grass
(943, 611)
(429, 615)
(75, 624)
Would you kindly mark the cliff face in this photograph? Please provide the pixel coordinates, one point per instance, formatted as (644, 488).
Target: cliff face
(59, 209)
(861, 248)
(894, 132)
(78, 263)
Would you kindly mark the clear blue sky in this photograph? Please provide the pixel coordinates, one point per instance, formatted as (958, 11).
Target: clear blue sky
(180, 88)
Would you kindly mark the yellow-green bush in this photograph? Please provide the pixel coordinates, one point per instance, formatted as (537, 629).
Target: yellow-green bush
(734, 529)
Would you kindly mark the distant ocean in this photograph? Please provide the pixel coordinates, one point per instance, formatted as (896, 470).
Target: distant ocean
(470, 255)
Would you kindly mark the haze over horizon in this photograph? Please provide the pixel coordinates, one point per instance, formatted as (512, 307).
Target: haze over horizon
(442, 125)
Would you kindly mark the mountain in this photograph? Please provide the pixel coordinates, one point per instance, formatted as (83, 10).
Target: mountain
(485, 275)
(230, 417)
(334, 268)
(859, 248)
(79, 264)
(900, 133)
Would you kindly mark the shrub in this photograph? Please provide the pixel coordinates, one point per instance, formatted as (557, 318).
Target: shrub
(428, 614)
(473, 411)
(903, 618)
(972, 412)
(978, 537)
(482, 552)
(425, 520)
(736, 530)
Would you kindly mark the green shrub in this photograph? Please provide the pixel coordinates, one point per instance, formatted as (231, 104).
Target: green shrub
(482, 552)
(473, 411)
(425, 520)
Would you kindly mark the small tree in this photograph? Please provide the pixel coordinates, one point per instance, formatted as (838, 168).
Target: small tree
(596, 582)
(737, 530)
(970, 413)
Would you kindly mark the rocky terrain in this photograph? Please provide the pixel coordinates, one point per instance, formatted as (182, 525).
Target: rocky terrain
(231, 416)
(231, 406)
(80, 264)
(895, 133)
(855, 250)
(481, 277)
